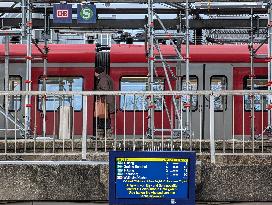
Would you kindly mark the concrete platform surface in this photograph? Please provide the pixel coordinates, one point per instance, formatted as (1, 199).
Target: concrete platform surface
(106, 203)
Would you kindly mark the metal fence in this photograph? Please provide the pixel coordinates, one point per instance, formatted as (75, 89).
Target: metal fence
(220, 123)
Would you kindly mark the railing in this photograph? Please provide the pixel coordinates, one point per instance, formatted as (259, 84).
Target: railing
(71, 127)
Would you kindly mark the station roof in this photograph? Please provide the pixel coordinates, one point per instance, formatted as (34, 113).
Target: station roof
(198, 53)
(58, 53)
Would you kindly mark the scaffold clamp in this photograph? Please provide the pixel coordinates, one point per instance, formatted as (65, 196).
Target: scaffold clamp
(269, 83)
(28, 105)
(28, 57)
(28, 81)
(29, 24)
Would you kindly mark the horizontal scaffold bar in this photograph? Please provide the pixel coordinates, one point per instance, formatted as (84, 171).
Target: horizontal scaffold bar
(170, 24)
(144, 10)
(142, 93)
(127, 1)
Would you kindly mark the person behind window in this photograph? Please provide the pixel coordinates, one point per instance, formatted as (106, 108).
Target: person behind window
(104, 105)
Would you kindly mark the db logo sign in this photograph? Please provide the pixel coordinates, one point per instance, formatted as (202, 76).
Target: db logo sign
(62, 13)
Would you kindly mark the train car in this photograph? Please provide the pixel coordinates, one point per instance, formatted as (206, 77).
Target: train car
(71, 68)
(212, 67)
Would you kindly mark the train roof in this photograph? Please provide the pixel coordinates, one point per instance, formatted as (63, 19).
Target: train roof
(122, 53)
(58, 53)
(198, 53)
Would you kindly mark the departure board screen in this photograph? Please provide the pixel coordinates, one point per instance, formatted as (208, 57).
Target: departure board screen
(152, 178)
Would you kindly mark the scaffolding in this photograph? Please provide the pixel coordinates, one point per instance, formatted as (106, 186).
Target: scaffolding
(155, 55)
(26, 33)
(153, 44)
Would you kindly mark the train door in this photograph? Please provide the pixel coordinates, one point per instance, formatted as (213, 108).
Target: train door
(218, 77)
(241, 82)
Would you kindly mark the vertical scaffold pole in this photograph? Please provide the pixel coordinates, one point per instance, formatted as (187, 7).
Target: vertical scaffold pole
(270, 60)
(6, 88)
(252, 75)
(151, 68)
(28, 67)
(45, 50)
(188, 128)
(23, 26)
(178, 122)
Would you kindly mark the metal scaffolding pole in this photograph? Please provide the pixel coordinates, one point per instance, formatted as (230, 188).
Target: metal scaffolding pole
(151, 67)
(188, 123)
(28, 67)
(252, 75)
(6, 87)
(270, 61)
(23, 26)
(45, 52)
(178, 122)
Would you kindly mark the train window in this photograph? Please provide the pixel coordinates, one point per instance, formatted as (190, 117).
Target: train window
(219, 83)
(62, 83)
(130, 102)
(259, 84)
(15, 84)
(192, 87)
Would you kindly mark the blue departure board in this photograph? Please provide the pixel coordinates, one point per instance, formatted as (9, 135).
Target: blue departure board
(152, 178)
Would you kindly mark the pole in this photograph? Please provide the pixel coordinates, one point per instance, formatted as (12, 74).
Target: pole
(23, 26)
(188, 128)
(151, 67)
(270, 62)
(84, 128)
(212, 144)
(178, 123)
(28, 67)
(252, 75)
(6, 87)
(45, 69)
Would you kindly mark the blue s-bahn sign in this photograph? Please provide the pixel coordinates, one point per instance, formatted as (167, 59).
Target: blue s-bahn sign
(86, 13)
(62, 13)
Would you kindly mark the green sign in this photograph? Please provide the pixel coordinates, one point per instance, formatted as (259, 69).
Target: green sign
(86, 13)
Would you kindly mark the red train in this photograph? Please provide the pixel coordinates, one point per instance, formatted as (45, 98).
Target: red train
(212, 67)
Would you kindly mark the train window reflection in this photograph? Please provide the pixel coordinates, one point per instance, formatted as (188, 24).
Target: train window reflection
(62, 83)
(15, 84)
(192, 87)
(219, 83)
(260, 83)
(130, 102)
